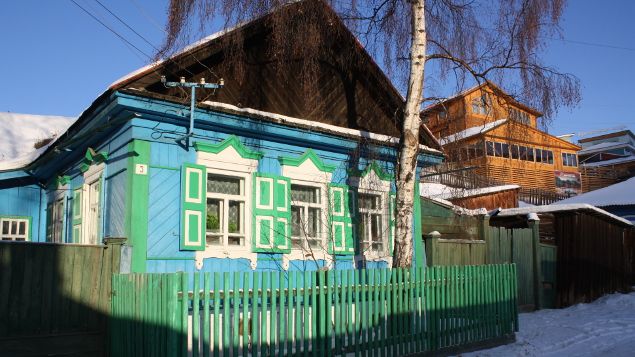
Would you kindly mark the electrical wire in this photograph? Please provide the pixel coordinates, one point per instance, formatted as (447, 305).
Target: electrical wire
(111, 30)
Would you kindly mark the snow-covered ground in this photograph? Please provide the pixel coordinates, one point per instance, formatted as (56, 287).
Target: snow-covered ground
(605, 327)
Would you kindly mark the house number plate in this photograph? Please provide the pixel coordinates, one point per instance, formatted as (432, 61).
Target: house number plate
(141, 169)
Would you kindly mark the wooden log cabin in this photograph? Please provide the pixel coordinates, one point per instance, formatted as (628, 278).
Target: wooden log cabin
(485, 128)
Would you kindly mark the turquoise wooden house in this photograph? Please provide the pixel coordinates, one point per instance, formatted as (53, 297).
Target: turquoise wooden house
(266, 176)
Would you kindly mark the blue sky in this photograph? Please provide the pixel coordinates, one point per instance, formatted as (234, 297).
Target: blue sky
(56, 59)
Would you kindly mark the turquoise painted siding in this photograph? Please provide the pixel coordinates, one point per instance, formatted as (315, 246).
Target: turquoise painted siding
(24, 201)
(164, 214)
(164, 176)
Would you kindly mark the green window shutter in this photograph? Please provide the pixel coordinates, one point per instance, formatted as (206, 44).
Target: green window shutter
(77, 216)
(341, 233)
(193, 207)
(272, 213)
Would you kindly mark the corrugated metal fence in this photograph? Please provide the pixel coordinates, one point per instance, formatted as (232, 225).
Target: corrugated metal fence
(392, 311)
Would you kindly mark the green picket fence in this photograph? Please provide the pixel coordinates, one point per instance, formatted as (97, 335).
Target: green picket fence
(361, 312)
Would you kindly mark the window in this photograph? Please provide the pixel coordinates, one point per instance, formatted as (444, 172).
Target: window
(93, 214)
(569, 159)
(530, 154)
(306, 217)
(225, 220)
(544, 156)
(15, 229)
(371, 227)
(505, 150)
(482, 105)
(498, 149)
(515, 152)
(489, 146)
(518, 115)
(56, 221)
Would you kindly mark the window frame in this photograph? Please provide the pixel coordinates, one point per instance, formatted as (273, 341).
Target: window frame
(92, 176)
(225, 198)
(230, 162)
(383, 211)
(305, 207)
(14, 237)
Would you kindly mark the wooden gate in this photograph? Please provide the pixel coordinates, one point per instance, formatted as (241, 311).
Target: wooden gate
(506, 246)
(548, 256)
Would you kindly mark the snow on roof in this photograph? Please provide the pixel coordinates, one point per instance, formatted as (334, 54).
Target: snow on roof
(507, 212)
(604, 146)
(619, 194)
(309, 124)
(457, 209)
(151, 66)
(437, 190)
(471, 132)
(20, 132)
(620, 160)
(525, 204)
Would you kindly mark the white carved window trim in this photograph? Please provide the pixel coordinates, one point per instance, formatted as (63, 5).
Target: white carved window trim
(229, 163)
(373, 184)
(92, 176)
(307, 174)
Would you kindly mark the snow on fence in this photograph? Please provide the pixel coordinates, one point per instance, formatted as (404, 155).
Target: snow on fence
(393, 311)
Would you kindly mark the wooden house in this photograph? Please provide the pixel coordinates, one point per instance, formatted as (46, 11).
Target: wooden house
(487, 129)
(268, 178)
(606, 159)
(585, 252)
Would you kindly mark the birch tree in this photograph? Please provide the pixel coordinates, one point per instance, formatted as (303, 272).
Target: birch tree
(461, 41)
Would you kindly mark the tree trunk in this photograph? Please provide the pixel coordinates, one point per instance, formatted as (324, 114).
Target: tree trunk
(409, 148)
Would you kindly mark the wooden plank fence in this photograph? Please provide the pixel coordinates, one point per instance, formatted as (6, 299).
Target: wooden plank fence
(55, 298)
(340, 312)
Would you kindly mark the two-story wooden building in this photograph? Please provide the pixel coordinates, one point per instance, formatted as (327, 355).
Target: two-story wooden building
(486, 128)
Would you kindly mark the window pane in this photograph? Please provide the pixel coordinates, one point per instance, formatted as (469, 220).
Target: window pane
(499, 149)
(376, 229)
(235, 224)
(574, 160)
(314, 222)
(367, 201)
(296, 221)
(223, 184)
(22, 228)
(514, 151)
(530, 154)
(212, 239)
(305, 194)
(490, 148)
(505, 150)
(550, 156)
(236, 241)
(538, 155)
(214, 215)
(14, 227)
(5, 227)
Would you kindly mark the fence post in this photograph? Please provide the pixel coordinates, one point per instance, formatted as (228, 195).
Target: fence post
(534, 224)
(431, 243)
